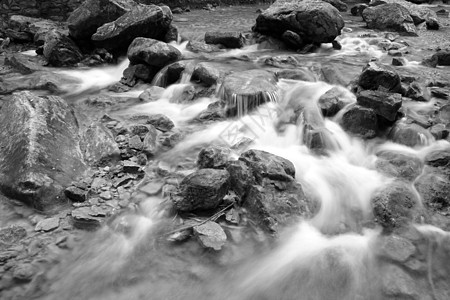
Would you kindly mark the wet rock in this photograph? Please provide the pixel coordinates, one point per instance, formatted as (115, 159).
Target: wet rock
(38, 149)
(22, 63)
(314, 21)
(214, 111)
(202, 190)
(360, 121)
(145, 21)
(36, 28)
(213, 157)
(438, 158)
(11, 235)
(302, 74)
(394, 205)
(133, 73)
(418, 13)
(440, 58)
(384, 104)
(151, 94)
(85, 218)
(444, 114)
(98, 145)
(398, 284)
(23, 272)
(158, 121)
(196, 47)
(171, 34)
(152, 52)
(376, 76)
(292, 39)
(399, 61)
(358, 9)
(75, 193)
(410, 134)
(396, 248)
(341, 6)
(417, 92)
(47, 224)
(241, 177)
(228, 39)
(207, 73)
(398, 164)
(433, 188)
(244, 91)
(91, 14)
(60, 50)
(391, 16)
(439, 131)
(332, 101)
(211, 235)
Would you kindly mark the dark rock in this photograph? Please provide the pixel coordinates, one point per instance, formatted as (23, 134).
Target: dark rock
(75, 194)
(202, 190)
(267, 165)
(410, 135)
(159, 121)
(241, 177)
(260, 87)
(35, 28)
(398, 164)
(391, 16)
(171, 34)
(85, 218)
(228, 39)
(213, 157)
(358, 9)
(332, 101)
(341, 6)
(314, 21)
(384, 104)
(207, 73)
(399, 61)
(441, 58)
(433, 189)
(441, 93)
(60, 50)
(210, 235)
(360, 121)
(292, 39)
(98, 145)
(47, 224)
(84, 21)
(417, 93)
(152, 52)
(336, 45)
(438, 158)
(376, 76)
(394, 205)
(146, 21)
(133, 73)
(432, 24)
(214, 111)
(18, 36)
(24, 64)
(38, 149)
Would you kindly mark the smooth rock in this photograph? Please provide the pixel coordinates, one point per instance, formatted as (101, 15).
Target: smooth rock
(410, 134)
(152, 52)
(47, 224)
(228, 39)
(333, 101)
(398, 164)
(211, 235)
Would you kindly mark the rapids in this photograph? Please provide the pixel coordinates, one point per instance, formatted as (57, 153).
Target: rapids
(330, 256)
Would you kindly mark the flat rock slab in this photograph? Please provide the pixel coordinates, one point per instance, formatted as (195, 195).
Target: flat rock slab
(211, 235)
(86, 218)
(47, 224)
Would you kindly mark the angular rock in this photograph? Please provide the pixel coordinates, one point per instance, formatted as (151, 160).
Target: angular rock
(244, 91)
(22, 63)
(398, 164)
(75, 193)
(47, 224)
(133, 73)
(376, 76)
(60, 50)
(384, 104)
(241, 177)
(210, 235)
(228, 39)
(207, 73)
(85, 218)
(267, 165)
(398, 284)
(396, 248)
(171, 34)
(391, 16)
(417, 93)
(159, 121)
(332, 101)
(313, 20)
(360, 121)
(438, 158)
(84, 21)
(39, 152)
(98, 145)
(418, 13)
(146, 21)
(152, 52)
(213, 157)
(434, 190)
(202, 190)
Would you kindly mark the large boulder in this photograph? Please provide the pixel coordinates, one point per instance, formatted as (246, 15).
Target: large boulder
(385, 104)
(390, 16)
(36, 28)
(244, 91)
(149, 21)
(418, 13)
(39, 152)
(152, 52)
(84, 21)
(60, 50)
(314, 21)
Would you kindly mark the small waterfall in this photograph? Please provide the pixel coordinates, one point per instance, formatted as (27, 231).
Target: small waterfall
(161, 78)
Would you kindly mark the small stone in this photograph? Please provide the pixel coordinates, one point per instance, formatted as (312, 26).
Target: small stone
(135, 142)
(23, 272)
(123, 180)
(83, 219)
(75, 194)
(211, 235)
(106, 195)
(47, 224)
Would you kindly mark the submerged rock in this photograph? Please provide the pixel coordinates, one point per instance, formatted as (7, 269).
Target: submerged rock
(210, 235)
(410, 134)
(313, 20)
(146, 21)
(202, 190)
(152, 52)
(39, 152)
(390, 16)
(91, 14)
(398, 164)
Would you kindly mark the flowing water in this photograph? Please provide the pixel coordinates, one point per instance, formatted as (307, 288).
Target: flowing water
(328, 257)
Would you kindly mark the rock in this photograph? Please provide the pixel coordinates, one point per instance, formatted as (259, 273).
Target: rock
(399, 61)
(47, 224)
(11, 235)
(293, 39)
(145, 21)
(171, 35)
(360, 121)
(228, 39)
(267, 165)
(85, 218)
(24, 64)
(398, 284)
(35, 28)
(391, 16)
(341, 6)
(418, 13)
(358, 9)
(197, 47)
(401, 165)
(333, 101)
(394, 205)
(439, 131)
(375, 76)
(214, 111)
(314, 21)
(151, 94)
(159, 121)
(384, 104)
(75, 194)
(396, 248)
(98, 146)
(210, 235)
(133, 73)
(39, 152)
(244, 91)
(152, 188)
(241, 177)
(438, 158)
(444, 114)
(433, 189)
(202, 190)
(273, 207)
(440, 58)
(207, 73)
(213, 157)
(91, 14)
(152, 52)
(60, 50)
(302, 74)
(410, 135)
(135, 142)
(23, 272)
(417, 93)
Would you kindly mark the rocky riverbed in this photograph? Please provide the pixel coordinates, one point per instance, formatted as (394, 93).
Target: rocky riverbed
(297, 150)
